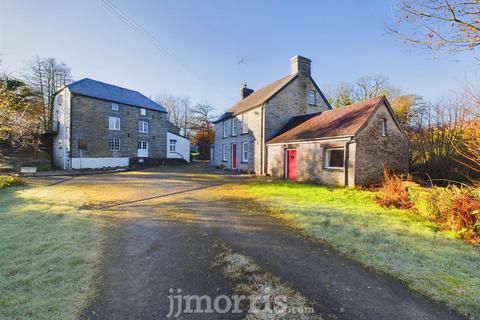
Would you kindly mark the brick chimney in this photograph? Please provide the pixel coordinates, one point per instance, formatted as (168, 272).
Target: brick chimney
(245, 92)
(300, 65)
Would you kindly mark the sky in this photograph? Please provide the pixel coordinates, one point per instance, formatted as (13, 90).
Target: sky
(205, 41)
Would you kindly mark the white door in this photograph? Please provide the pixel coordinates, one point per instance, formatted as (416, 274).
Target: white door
(142, 149)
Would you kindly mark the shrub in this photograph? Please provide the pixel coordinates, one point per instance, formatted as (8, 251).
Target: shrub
(394, 192)
(7, 181)
(456, 209)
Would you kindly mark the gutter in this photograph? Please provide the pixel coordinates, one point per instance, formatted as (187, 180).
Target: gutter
(347, 158)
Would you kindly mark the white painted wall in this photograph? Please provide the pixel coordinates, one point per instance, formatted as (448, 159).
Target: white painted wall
(182, 147)
(92, 163)
(61, 142)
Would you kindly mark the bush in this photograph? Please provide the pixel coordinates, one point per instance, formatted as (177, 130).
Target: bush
(7, 181)
(394, 192)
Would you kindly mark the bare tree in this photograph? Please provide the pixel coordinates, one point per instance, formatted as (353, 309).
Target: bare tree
(47, 76)
(451, 25)
(178, 110)
(364, 88)
(202, 128)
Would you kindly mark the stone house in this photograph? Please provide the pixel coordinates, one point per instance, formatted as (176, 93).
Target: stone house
(288, 129)
(101, 125)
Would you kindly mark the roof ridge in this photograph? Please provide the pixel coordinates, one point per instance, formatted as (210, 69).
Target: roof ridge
(106, 83)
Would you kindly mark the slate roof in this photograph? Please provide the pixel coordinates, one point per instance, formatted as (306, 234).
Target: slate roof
(345, 121)
(100, 90)
(256, 98)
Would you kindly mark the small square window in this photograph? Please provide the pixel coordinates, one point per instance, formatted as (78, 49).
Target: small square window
(334, 158)
(312, 97)
(114, 106)
(114, 144)
(143, 112)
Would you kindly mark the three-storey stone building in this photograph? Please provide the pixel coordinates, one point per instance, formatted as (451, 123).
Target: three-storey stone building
(102, 125)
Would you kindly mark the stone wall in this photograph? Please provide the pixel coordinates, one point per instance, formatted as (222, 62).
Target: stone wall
(375, 151)
(309, 163)
(90, 122)
(289, 102)
(253, 137)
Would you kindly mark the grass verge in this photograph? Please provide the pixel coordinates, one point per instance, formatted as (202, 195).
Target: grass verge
(49, 252)
(394, 241)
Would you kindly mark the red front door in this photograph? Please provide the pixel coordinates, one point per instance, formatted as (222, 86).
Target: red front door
(291, 164)
(234, 156)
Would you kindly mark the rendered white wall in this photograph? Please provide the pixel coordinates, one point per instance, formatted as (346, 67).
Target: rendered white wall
(182, 147)
(92, 163)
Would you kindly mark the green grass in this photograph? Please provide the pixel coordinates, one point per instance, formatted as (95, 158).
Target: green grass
(49, 253)
(398, 242)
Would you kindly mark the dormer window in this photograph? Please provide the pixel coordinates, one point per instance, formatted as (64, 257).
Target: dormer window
(114, 106)
(312, 97)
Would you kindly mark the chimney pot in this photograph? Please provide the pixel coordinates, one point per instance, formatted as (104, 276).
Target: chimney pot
(245, 92)
(300, 65)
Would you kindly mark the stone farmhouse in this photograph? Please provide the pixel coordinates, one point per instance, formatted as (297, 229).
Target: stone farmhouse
(101, 125)
(288, 129)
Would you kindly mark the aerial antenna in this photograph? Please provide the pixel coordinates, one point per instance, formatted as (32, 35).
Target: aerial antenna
(242, 63)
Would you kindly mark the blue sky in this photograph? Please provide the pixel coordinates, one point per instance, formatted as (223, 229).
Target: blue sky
(344, 40)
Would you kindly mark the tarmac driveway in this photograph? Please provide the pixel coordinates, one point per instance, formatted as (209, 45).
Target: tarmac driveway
(170, 224)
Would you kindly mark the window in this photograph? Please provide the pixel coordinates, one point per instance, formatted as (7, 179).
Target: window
(234, 127)
(114, 106)
(224, 129)
(384, 127)
(334, 158)
(173, 145)
(244, 151)
(143, 112)
(113, 123)
(224, 152)
(60, 99)
(114, 144)
(142, 145)
(312, 97)
(244, 123)
(143, 126)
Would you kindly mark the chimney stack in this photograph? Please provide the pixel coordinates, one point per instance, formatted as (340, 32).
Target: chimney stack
(245, 92)
(300, 65)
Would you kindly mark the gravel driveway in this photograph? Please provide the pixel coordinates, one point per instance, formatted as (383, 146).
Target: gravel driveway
(169, 225)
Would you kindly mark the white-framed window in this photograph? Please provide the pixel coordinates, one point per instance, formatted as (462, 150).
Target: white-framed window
(312, 97)
(245, 151)
(384, 127)
(143, 111)
(60, 99)
(234, 127)
(114, 144)
(224, 152)
(114, 106)
(143, 126)
(244, 123)
(334, 158)
(142, 145)
(173, 145)
(113, 123)
(224, 129)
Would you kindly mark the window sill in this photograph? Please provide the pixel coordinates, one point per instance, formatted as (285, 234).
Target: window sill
(244, 133)
(224, 161)
(244, 162)
(333, 169)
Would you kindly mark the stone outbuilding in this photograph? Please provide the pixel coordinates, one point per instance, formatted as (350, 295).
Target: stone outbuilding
(348, 146)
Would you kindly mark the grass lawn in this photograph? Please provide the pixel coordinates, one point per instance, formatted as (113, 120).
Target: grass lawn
(394, 241)
(49, 253)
